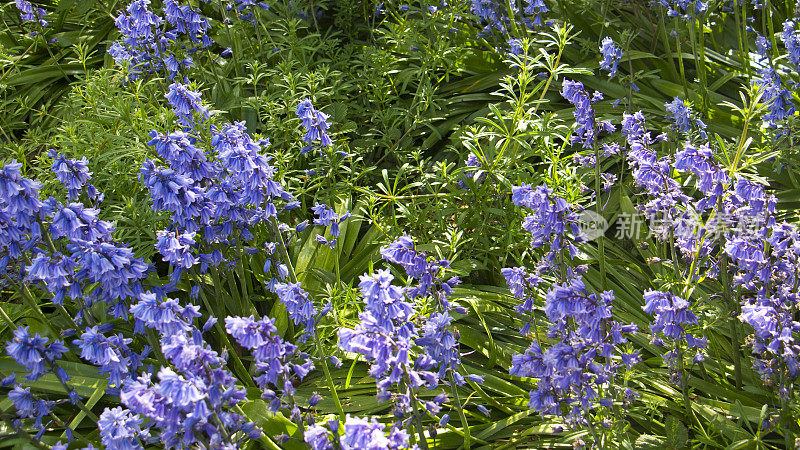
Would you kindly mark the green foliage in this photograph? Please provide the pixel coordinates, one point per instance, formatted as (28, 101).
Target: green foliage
(410, 95)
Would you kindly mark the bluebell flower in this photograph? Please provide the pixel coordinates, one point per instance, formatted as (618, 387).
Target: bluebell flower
(492, 14)
(247, 168)
(187, 21)
(112, 354)
(298, 304)
(473, 163)
(327, 216)
(277, 361)
(75, 221)
(685, 9)
(55, 272)
(778, 99)
(672, 315)
(173, 192)
(74, 175)
(572, 371)
(441, 345)
(28, 406)
(791, 41)
(649, 171)
(119, 429)
(534, 8)
(552, 218)
(185, 103)
(34, 353)
(588, 129)
(167, 316)
(362, 434)
(680, 114)
(178, 148)
(385, 337)
(19, 202)
(114, 267)
(522, 286)
(699, 161)
(612, 54)
(315, 123)
(318, 437)
(30, 13)
(190, 402)
(177, 248)
(139, 46)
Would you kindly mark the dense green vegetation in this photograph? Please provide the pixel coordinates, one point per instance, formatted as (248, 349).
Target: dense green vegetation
(335, 224)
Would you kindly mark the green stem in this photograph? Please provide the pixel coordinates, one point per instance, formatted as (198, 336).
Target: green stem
(462, 416)
(320, 352)
(786, 414)
(680, 61)
(28, 298)
(597, 441)
(599, 210)
(11, 325)
(699, 52)
(328, 377)
(418, 424)
(238, 365)
(667, 48)
(230, 38)
(77, 402)
(687, 401)
(732, 308)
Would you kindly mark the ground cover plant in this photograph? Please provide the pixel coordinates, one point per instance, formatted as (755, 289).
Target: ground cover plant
(386, 225)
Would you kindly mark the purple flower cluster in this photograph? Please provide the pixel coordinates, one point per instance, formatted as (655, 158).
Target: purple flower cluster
(299, 305)
(279, 363)
(494, 15)
(189, 401)
(327, 217)
(152, 43)
(315, 123)
(119, 428)
(612, 54)
(731, 218)
(436, 333)
(588, 129)
(215, 197)
(778, 99)
(29, 406)
(35, 353)
(385, 336)
(791, 41)
(551, 221)
(419, 267)
(680, 114)
(30, 13)
(649, 171)
(685, 9)
(185, 104)
(576, 374)
(522, 286)
(358, 434)
(766, 263)
(472, 166)
(74, 175)
(111, 354)
(67, 251)
(672, 315)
